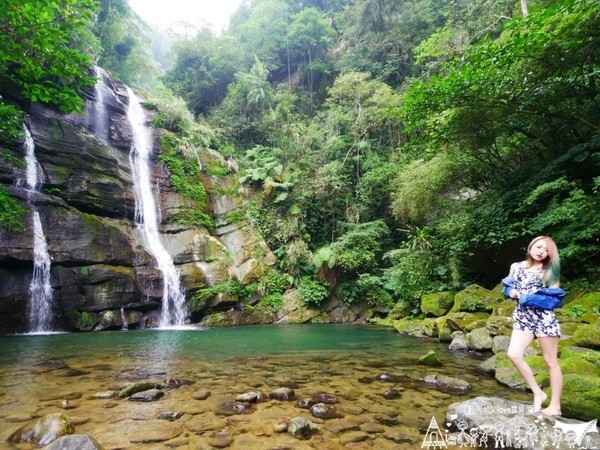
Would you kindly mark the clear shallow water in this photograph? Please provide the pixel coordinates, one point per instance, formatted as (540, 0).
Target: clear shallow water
(37, 374)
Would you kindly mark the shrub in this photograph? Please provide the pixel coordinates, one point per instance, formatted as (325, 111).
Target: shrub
(312, 292)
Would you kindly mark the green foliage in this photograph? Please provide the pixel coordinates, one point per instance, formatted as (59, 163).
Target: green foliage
(348, 291)
(86, 319)
(203, 68)
(10, 123)
(274, 282)
(235, 216)
(264, 31)
(231, 287)
(410, 275)
(37, 60)
(516, 99)
(576, 311)
(216, 171)
(372, 289)
(381, 34)
(266, 171)
(272, 302)
(310, 34)
(418, 189)
(125, 44)
(10, 213)
(195, 218)
(172, 114)
(184, 173)
(312, 292)
(357, 249)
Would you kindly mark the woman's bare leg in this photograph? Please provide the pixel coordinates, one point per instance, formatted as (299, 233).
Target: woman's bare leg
(549, 346)
(519, 341)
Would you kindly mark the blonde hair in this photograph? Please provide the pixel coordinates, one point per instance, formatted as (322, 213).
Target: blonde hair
(550, 265)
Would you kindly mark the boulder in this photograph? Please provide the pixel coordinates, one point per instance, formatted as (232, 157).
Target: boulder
(74, 442)
(584, 309)
(44, 431)
(475, 298)
(446, 383)
(301, 428)
(588, 336)
(581, 397)
(480, 339)
(437, 304)
(430, 359)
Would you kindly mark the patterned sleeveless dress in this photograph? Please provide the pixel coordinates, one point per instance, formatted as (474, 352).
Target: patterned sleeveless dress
(539, 322)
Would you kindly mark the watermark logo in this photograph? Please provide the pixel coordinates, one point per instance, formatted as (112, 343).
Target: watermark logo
(536, 435)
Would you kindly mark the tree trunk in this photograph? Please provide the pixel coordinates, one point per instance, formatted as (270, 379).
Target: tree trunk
(524, 9)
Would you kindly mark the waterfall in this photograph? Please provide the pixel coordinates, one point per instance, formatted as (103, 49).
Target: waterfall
(39, 308)
(96, 111)
(147, 215)
(124, 324)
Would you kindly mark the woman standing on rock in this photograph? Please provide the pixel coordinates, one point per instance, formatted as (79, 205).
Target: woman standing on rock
(537, 279)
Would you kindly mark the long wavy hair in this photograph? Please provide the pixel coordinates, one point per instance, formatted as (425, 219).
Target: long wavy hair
(551, 265)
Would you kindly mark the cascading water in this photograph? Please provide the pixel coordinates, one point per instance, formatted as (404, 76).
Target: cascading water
(96, 111)
(39, 308)
(174, 310)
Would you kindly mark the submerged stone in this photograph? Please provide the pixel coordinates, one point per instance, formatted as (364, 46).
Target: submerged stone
(221, 439)
(322, 397)
(231, 408)
(150, 395)
(75, 442)
(44, 431)
(302, 428)
(283, 393)
(430, 359)
(323, 411)
(445, 382)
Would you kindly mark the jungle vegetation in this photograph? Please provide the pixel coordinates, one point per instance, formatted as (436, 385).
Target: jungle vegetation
(394, 147)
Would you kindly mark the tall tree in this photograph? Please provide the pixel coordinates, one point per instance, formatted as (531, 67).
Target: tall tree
(311, 34)
(125, 41)
(203, 68)
(37, 56)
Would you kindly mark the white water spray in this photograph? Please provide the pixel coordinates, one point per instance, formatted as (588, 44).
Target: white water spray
(174, 311)
(39, 308)
(96, 111)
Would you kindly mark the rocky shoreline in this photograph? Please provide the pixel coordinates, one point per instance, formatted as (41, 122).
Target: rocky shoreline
(480, 320)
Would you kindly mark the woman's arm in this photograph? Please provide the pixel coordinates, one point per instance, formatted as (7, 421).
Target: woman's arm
(514, 294)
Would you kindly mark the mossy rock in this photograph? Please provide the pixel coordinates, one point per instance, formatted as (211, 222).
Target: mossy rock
(430, 359)
(504, 308)
(581, 397)
(587, 354)
(44, 431)
(578, 365)
(429, 327)
(480, 339)
(475, 298)
(408, 326)
(499, 325)
(129, 389)
(465, 321)
(583, 309)
(588, 336)
(437, 304)
(444, 330)
(568, 328)
(81, 320)
(506, 373)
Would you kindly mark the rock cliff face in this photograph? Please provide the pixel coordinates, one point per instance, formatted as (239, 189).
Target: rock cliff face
(101, 274)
